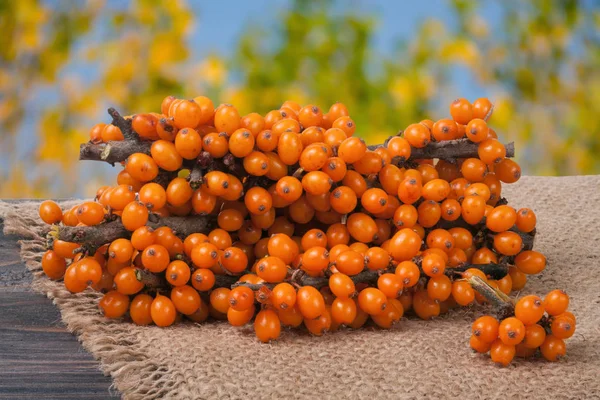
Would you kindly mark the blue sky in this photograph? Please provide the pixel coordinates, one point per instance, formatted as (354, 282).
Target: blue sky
(219, 24)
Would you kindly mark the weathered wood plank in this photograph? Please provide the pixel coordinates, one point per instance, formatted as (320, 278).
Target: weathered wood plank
(13, 273)
(39, 358)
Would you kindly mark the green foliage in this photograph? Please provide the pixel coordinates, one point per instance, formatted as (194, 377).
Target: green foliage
(539, 62)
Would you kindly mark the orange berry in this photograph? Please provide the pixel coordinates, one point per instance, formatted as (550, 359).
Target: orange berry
(425, 307)
(477, 130)
(556, 302)
(267, 326)
(530, 262)
(405, 244)
(372, 301)
(185, 299)
(461, 111)
(227, 118)
(140, 309)
(534, 336)
(163, 311)
(485, 329)
(127, 282)
(141, 167)
(114, 304)
(502, 353)
(310, 302)
(417, 135)
(511, 331)
(553, 348)
(53, 265)
(482, 108)
(50, 212)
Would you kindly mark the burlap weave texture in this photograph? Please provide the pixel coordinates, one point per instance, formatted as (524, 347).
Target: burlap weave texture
(418, 359)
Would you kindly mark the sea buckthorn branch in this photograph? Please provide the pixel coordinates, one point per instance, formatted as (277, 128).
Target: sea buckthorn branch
(118, 151)
(496, 271)
(92, 237)
(113, 152)
(302, 279)
(227, 281)
(448, 149)
(482, 233)
(158, 282)
(185, 226)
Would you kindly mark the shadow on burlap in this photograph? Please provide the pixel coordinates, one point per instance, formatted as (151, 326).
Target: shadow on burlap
(417, 359)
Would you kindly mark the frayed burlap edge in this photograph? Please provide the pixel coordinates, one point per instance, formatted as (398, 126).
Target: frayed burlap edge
(110, 342)
(416, 359)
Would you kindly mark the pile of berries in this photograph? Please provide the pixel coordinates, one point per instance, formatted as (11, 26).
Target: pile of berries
(536, 324)
(289, 219)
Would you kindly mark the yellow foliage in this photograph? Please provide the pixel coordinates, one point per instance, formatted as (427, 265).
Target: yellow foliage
(547, 97)
(461, 51)
(56, 143)
(402, 90)
(212, 71)
(503, 112)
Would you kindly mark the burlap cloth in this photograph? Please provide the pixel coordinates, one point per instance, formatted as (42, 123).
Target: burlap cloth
(418, 359)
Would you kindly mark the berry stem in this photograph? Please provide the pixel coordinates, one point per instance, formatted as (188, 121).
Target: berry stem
(196, 177)
(496, 298)
(150, 280)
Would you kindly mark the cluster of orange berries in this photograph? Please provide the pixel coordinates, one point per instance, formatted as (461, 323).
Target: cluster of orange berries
(308, 196)
(536, 324)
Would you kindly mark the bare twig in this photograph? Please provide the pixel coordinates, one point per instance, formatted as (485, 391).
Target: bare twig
(123, 124)
(92, 237)
(448, 150)
(113, 152)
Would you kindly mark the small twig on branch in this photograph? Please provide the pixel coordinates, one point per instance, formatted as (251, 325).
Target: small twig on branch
(196, 177)
(123, 124)
(113, 152)
(164, 178)
(227, 281)
(150, 280)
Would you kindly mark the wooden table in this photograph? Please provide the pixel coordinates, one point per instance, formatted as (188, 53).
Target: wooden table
(39, 358)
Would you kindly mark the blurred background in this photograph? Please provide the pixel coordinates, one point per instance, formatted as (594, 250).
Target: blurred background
(62, 63)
